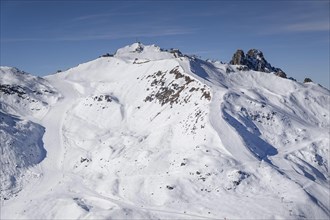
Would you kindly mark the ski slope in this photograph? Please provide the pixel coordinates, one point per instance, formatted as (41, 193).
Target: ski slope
(148, 133)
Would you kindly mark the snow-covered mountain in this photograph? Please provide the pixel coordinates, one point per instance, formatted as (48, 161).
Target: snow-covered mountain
(23, 98)
(25, 95)
(152, 133)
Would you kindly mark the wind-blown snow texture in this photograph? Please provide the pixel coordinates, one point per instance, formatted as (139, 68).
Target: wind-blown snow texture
(148, 133)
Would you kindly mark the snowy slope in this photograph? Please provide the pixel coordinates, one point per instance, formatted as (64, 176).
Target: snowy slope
(148, 133)
(24, 94)
(21, 149)
(24, 99)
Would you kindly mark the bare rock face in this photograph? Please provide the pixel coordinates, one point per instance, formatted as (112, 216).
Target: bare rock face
(238, 58)
(306, 80)
(280, 73)
(255, 60)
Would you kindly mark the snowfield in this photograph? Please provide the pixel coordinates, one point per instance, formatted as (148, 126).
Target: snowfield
(148, 133)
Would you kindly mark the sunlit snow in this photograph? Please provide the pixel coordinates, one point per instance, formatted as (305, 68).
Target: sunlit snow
(151, 133)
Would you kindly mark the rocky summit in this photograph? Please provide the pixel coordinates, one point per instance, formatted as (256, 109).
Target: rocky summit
(254, 60)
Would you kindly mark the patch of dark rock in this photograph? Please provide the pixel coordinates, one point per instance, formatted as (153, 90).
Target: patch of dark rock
(176, 52)
(242, 175)
(188, 79)
(170, 187)
(148, 99)
(13, 89)
(242, 68)
(84, 159)
(159, 73)
(206, 95)
(82, 204)
(192, 89)
(171, 94)
(177, 73)
(281, 74)
(107, 55)
(306, 80)
(108, 98)
(229, 70)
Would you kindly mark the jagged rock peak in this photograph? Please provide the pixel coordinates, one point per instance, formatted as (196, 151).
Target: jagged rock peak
(238, 58)
(255, 60)
(256, 54)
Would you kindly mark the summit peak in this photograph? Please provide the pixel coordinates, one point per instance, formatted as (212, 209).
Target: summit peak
(137, 47)
(145, 52)
(254, 60)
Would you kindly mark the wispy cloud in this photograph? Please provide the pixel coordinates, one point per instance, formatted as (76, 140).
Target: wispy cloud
(118, 11)
(204, 52)
(108, 36)
(106, 15)
(295, 17)
(307, 26)
(298, 27)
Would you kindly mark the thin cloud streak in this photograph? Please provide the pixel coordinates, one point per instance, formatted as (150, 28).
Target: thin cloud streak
(295, 19)
(99, 16)
(308, 26)
(203, 52)
(305, 26)
(116, 11)
(110, 36)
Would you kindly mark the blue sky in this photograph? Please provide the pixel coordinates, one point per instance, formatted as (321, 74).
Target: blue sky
(42, 37)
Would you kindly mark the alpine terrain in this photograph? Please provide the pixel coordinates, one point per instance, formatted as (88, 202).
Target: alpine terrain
(148, 133)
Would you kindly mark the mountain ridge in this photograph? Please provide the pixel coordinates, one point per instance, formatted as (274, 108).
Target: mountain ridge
(149, 133)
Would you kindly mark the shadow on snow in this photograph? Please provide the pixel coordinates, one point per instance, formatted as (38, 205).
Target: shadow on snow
(258, 147)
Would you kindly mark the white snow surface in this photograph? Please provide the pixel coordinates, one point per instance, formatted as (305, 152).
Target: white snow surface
(148, 134)
(25, 95)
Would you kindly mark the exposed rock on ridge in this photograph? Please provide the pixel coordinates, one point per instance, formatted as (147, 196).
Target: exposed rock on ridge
(255, 60)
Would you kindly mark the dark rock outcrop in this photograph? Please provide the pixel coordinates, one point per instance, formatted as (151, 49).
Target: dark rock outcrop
(139, 48)
(238, 58)
(254, 60)
(306, 80)
(280, 73)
